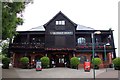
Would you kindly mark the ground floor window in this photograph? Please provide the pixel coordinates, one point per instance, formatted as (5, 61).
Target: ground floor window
(61, 60)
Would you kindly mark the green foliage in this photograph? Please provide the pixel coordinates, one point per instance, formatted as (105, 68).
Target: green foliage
(74, 62)
(116, 62)
(96, 61)
(4, 47)
(5, 62)
(10, 18)
(2, 56)
(45, 61)
(24, 60)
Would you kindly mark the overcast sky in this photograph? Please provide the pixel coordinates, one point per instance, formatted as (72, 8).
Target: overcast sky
(97, 14)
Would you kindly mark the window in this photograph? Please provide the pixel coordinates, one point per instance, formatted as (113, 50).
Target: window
(60, 22)
(35, 40)
(61, 60)
(63, 22)
(81, 40)
(57, 22)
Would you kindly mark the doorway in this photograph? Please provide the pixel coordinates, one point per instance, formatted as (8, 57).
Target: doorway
(61, 60)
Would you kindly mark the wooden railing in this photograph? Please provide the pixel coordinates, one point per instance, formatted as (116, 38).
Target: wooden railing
(27, 45)
(86, 46)
(96, 46)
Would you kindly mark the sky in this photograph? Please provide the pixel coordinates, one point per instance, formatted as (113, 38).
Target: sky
(97, 14)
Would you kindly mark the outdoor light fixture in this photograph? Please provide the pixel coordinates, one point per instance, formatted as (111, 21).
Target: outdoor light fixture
(93, 51)
(97, 32)
(33, 60)
(105, 53)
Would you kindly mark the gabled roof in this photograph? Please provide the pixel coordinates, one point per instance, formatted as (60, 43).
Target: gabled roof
(60, 13)
(39, 28)
(79, 27)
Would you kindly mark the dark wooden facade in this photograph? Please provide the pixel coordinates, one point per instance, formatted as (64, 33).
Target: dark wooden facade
(60, 41)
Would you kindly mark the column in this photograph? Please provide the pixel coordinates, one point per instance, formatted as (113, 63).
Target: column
(109, 58)
(112, 43)
(13, 61)
(32, 61)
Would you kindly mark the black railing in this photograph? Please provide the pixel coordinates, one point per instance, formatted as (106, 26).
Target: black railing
(86, 46)
(27, 45)
(96, 45)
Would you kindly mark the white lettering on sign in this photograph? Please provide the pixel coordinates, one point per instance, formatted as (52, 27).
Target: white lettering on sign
(61, 33)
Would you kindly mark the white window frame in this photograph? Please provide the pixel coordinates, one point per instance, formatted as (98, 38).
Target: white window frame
(61, 22)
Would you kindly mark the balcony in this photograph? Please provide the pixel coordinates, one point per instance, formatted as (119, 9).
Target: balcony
(27, 46)
(88, 46)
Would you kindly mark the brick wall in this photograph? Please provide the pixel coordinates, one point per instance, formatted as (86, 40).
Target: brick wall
(88, 56)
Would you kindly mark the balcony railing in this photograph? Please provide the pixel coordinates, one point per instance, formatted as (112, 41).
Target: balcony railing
(96, 45)
(27, 45)
(86, 46)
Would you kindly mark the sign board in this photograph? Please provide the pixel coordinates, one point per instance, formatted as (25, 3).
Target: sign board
(62, 33)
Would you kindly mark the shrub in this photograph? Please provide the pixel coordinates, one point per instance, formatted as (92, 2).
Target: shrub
(45, 61)
(96, 62)
(2, 56)
(24, 61)
(5, 62)
(74, 62)
(116, 63)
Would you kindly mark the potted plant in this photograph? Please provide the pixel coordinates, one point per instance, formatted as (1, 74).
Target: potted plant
(5, 62)
(96, 62)
(74, 62)
(116, 63)
(24, 61)
(45, 62)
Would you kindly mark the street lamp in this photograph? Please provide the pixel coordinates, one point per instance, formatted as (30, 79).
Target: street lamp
(105, 53)
(93, 47)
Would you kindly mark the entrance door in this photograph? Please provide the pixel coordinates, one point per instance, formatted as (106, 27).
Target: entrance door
(60, 60)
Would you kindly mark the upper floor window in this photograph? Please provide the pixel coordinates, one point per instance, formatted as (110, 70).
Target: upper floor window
(60, 22)
(81, 40)
(35, 40)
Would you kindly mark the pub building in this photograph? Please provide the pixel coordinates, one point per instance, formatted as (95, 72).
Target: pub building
(60, 40)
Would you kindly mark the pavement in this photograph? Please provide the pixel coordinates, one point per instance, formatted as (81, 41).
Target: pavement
(58, 73)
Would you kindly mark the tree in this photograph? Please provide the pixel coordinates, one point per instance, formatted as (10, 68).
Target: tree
(10, 18)
(4, 49)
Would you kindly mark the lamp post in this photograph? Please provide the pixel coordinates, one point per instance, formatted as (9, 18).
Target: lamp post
(105, 54)
(93, 51)
(93, 47)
